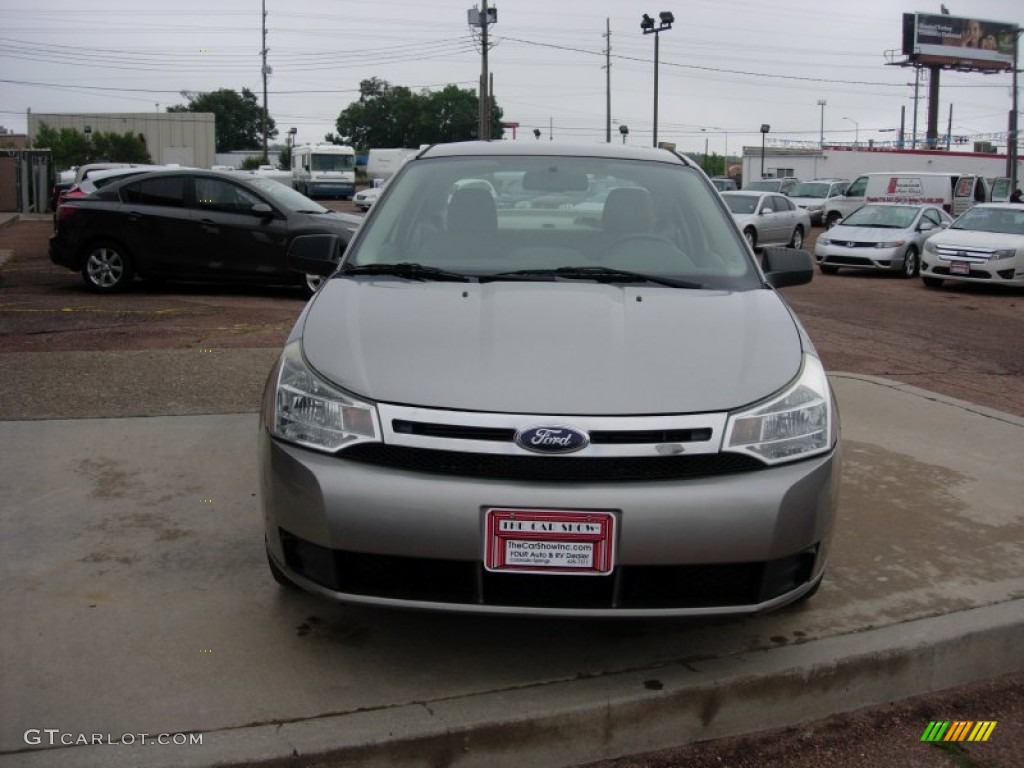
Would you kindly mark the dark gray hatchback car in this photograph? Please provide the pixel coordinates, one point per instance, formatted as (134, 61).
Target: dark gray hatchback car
(587, 399)
(190, 225)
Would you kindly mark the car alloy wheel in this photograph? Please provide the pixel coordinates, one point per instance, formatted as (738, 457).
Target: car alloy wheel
(107, 268)
(751, 237)
(910, 265)
(798, 239)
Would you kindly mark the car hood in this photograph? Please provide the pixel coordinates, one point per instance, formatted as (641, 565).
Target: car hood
(805, 201)
(555, 348)
(973, 239)
(841, 233)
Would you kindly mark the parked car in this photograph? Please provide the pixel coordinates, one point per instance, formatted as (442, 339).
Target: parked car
(768, 218)
(529, 410)
(984, 245)
(724, 183)
(365, 198)
(783, 185)
(813, 195)
(193, 225)
(886, 236)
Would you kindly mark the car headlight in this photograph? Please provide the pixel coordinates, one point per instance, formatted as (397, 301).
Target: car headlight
(1004, 253)
(930, 247)
(823, 241)
(308, 411)
(799, 422)
(814, 207)
(891, 244)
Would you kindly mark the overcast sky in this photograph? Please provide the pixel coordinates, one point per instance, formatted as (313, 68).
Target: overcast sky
(726, 67)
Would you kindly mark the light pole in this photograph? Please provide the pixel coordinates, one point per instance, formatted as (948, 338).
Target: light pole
(856, 131)
(725, 161)
(764, 132)
(647, 27)
(821, 141)
(624, 130)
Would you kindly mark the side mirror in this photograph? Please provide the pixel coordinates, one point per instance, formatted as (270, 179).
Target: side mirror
(787, 266)
(315, 254)
(262, 210)
(926, 226)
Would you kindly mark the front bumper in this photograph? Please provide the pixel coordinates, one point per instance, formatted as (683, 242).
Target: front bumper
(730, 543)
(886, 259)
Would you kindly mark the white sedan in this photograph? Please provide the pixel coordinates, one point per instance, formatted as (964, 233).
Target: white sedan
(984, 245)
(364, 199)
(768, 218)
(885, 236)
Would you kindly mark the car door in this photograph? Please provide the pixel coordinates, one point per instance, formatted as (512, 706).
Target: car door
(153, 221)
(233, 241)
(782, 220)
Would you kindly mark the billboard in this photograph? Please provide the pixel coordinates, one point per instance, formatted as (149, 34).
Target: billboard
(957, 41)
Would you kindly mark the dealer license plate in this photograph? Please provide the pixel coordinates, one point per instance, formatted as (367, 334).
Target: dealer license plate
(549, 541)
(959, 268)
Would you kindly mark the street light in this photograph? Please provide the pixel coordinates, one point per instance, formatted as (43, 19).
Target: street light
(705, 130)
(821, 141)
(764, 132)
(856, 131)
(666, 20)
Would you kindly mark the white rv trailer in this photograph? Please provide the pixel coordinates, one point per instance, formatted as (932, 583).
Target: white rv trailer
(324, 170)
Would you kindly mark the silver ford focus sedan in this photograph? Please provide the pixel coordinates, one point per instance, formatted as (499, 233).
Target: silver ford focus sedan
(550, 379)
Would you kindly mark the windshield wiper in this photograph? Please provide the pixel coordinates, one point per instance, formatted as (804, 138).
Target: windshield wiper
(602, 274)
(407, 269)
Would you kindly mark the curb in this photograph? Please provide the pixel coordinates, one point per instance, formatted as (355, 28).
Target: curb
(571, 722)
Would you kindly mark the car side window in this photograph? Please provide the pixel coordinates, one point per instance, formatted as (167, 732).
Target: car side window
(223, 196)
(781, 204)
(931, 215)
(167, 191)
(856, 189)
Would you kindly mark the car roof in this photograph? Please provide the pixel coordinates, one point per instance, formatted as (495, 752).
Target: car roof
(552, 149)
(750, 192)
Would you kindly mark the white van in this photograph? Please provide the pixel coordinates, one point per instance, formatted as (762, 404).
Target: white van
(954, 192)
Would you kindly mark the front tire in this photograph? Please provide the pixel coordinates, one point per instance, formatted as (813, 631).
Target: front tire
(932, 282)
(833, 219)
(108, 268)
(751, 237)
(798, 238)
(311, 284)
(828, 269)
(910, 263)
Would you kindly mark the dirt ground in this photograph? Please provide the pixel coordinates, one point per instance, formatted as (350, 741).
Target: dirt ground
(965, 342)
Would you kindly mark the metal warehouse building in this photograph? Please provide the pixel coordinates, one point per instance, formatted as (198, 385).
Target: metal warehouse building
(185, 138)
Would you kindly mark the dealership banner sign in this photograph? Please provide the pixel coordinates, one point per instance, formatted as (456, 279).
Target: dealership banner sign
(959, 41)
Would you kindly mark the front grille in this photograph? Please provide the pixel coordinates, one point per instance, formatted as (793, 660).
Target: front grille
(468, 583)
(597, 437)
(974, 273)
(568, 469)
(849, 261)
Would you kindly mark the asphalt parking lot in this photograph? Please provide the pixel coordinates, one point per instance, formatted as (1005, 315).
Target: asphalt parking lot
(121, 546)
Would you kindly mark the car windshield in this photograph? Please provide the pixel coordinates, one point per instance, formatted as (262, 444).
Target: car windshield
(1004, 221)
(555, 218)
(885, 216)
(331, 162)
(765, 185)
(810, 189)
(741, 203)
(285, 196)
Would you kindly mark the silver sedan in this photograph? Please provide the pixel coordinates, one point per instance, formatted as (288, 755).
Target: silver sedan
(886, 236)
(768, 218)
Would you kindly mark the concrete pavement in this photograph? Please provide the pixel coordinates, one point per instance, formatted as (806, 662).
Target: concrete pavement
(137, 601)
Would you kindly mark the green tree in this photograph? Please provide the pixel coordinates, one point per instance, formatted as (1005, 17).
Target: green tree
(394, 116)
(69, 147)
(238, 118)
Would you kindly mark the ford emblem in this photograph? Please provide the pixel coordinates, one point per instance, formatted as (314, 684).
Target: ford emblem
(552, 439)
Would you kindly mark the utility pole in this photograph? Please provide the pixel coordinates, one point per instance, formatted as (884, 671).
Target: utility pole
(266, 71)
(483, 18)
(485, 95)
(608, 81)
